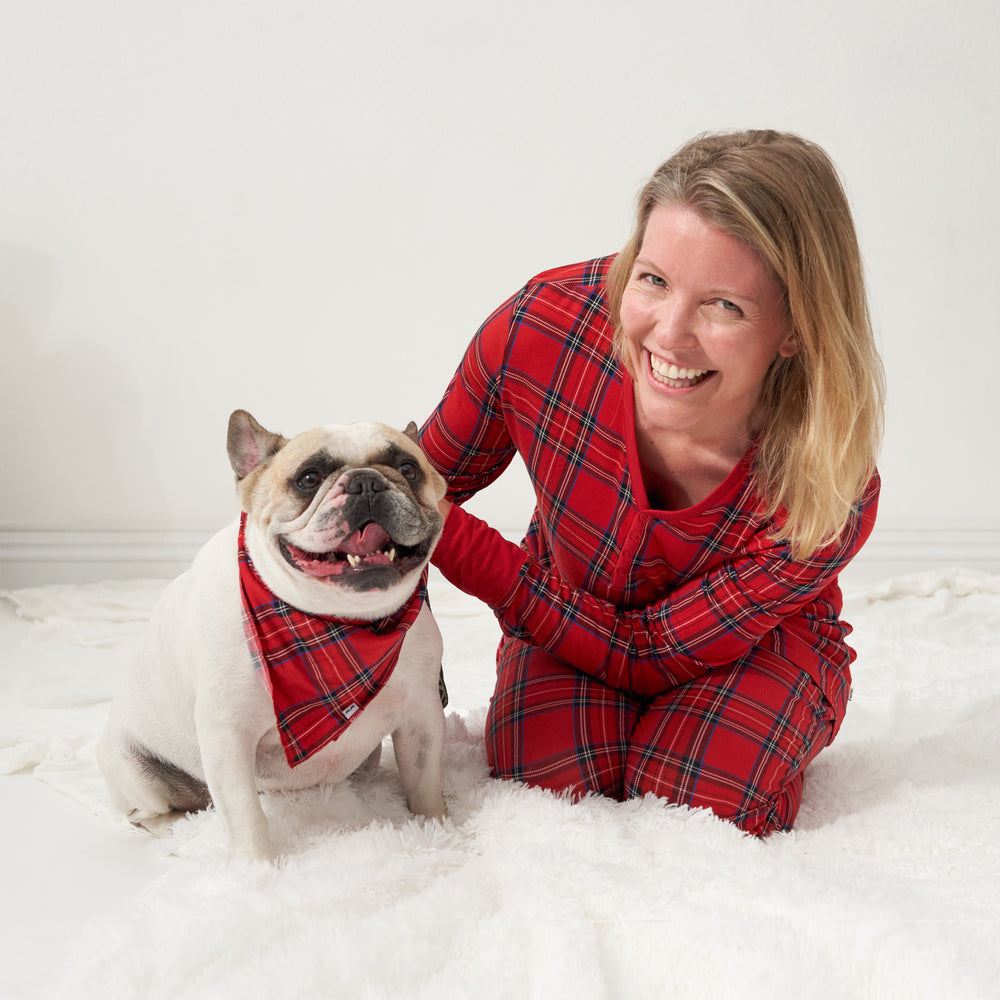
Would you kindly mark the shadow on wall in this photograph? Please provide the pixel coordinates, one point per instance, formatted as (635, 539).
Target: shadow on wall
(74, 455)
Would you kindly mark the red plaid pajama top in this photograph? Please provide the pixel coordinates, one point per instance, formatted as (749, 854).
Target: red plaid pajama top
(640, 599)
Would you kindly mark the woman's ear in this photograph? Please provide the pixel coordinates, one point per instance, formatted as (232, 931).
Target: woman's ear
(789, 346)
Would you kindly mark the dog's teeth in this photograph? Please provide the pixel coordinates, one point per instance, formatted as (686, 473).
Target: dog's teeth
(353, 560)
(392, 555)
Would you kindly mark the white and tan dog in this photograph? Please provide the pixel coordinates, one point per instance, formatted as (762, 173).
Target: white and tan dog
(340, 522)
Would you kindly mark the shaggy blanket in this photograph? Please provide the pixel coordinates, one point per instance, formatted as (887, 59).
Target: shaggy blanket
(887, 887)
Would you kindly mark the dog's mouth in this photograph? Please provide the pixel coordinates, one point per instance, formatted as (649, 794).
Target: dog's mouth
(367, 549)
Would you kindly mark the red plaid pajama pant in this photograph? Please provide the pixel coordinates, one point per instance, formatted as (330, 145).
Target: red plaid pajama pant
(735, 740)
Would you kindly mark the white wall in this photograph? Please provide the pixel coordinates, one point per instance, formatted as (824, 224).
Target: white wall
(305, 209)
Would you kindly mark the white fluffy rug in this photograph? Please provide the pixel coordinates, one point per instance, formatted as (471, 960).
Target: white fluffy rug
(888, 887)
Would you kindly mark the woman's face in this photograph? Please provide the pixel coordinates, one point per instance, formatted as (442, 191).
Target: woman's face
(702, 321)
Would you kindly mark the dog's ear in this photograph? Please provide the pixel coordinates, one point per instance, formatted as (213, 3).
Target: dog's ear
(411, 431)
(249, 444)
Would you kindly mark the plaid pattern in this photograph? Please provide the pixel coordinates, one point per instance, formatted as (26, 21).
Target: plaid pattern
(736, 740)
(320, 672)
(644, 604)
(638, 598)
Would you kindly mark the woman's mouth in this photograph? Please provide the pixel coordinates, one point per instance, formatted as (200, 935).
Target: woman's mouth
(676, 377)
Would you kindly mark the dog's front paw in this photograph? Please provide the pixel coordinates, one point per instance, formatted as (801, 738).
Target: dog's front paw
(430, 807)
(253, 852)
(253, 844)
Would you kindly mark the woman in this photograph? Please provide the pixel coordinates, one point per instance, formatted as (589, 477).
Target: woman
(699, 416)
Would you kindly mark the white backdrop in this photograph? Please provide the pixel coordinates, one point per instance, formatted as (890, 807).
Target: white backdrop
(305, 209)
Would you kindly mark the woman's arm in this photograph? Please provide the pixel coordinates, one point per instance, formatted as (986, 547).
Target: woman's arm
(466, 438)
(704, 623)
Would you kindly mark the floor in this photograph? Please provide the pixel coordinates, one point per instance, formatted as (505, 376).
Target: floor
(60, 866)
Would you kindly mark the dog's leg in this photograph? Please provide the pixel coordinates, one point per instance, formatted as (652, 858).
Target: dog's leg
(419, 747)
(370, 764)
(145, 786)
(228, 756)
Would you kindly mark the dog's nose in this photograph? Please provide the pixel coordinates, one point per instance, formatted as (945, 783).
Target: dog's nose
(366, 481)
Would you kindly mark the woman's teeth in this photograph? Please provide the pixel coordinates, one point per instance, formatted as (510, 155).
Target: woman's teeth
(677, 378)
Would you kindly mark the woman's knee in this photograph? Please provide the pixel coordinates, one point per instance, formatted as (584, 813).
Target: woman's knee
(753, 810)
(735, 741)
(552, 727)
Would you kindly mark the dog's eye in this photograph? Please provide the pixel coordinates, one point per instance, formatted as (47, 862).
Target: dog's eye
(309, 481)
(408, 470)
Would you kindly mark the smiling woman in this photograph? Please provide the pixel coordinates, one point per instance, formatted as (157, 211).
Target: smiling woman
(699, 417)
(818, 420)
(702, 322)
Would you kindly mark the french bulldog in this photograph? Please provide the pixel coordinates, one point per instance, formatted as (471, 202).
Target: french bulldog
(337, 528)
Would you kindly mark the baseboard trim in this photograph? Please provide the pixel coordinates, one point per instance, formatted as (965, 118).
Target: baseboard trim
(911, 548)
(35, 558)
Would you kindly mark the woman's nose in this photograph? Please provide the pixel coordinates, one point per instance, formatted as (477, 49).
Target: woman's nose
(674, 324)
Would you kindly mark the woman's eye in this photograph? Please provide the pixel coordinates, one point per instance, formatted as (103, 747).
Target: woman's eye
(309, 480)
(730, 306)
(653, 279)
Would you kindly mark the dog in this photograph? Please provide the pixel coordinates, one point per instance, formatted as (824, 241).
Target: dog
(337, 527)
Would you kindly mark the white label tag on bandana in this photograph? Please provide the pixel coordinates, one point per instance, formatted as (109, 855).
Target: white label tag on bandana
(350, 711)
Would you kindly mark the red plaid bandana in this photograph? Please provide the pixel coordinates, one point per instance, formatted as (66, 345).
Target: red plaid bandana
(320, 672)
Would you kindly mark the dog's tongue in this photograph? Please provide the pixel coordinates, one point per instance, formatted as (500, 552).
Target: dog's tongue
(370, 539)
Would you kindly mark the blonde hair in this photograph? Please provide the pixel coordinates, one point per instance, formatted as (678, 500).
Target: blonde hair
(820, 415)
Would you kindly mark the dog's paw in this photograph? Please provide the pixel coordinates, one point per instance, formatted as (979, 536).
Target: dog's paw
(158, 825)
(254, 853)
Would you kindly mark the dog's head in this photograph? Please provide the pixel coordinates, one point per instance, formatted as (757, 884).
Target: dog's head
(341, 520)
